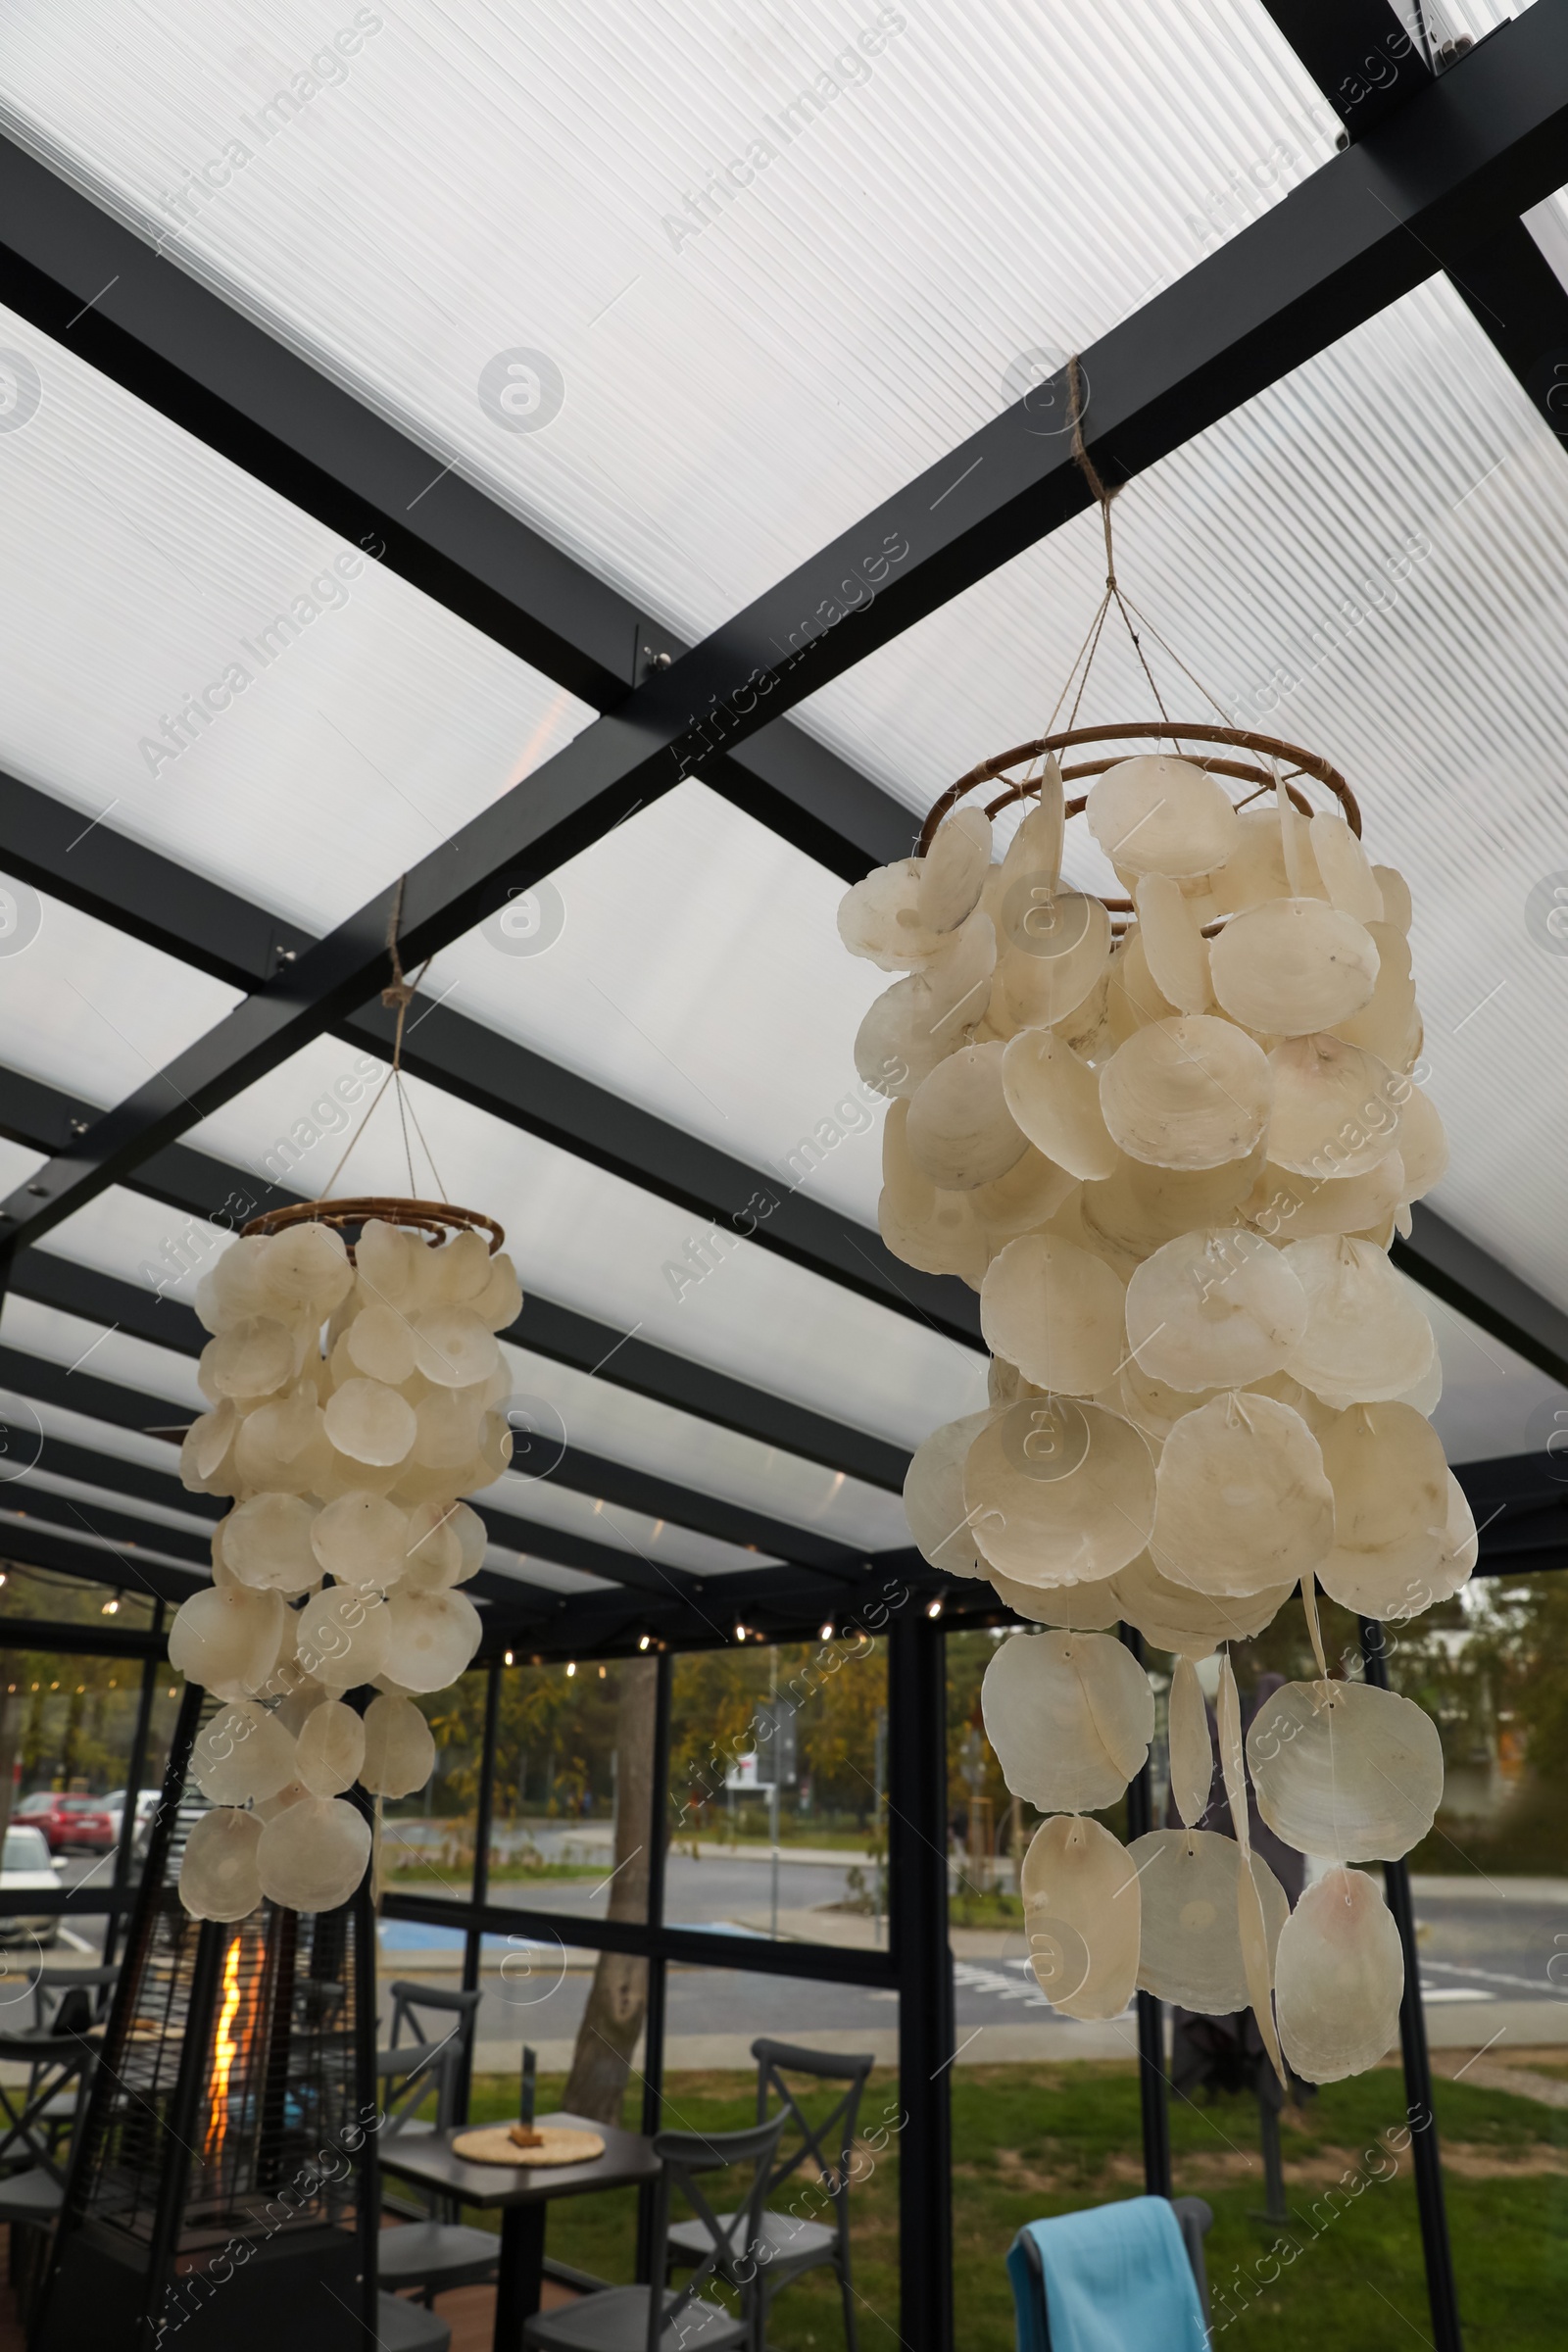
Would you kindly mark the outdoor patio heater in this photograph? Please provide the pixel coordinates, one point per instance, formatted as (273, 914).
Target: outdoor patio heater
(223, 2188)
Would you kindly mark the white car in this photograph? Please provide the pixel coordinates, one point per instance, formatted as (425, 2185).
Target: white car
(28, 1867)
(114, 1804)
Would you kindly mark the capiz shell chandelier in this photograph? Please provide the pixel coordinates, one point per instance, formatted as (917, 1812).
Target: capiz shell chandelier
(1168, 1137)
(356, 1395)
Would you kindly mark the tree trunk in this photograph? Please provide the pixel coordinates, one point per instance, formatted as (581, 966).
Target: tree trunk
(9, 1726)
(617, 1998)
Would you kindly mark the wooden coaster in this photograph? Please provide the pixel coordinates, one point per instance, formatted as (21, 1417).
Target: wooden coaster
(494, 2144)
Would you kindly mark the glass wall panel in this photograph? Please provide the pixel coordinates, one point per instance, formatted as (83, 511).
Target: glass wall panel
(428, 1837)
(574, 1746)
(1490, 1886)
(777, 1794)
(713, 2016)
(1046, 2111)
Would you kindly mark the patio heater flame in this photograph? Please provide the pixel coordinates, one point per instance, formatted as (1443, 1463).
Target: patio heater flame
(225, 2049)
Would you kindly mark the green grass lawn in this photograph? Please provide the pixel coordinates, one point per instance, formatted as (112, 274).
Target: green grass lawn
(1031, 2140)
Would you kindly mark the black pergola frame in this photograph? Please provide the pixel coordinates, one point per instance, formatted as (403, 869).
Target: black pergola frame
(1436, 171)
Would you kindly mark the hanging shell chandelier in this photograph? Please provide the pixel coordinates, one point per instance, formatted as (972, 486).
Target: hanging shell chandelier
(1168, 1137)
(356, 1397)
(357, 1391)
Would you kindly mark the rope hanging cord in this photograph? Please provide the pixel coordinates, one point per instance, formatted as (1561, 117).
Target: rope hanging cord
(437, 1218)
(1286, 759)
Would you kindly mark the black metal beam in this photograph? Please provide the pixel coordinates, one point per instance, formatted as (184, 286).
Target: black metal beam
(1366, 64)
(197, 1186)
(917, 1879)
(187, 353)
(157, 901)
(1450, 167)
(1457, 1270)
(32, 1543)
(73, 1639)
(512, 1083)
(1359, 53)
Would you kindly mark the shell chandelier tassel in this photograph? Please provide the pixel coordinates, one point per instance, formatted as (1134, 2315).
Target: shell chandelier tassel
(355, 1395)
(1168, 1138)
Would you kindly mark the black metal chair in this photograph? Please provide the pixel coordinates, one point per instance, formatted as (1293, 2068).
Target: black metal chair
(73, 2001)
(656, 2318)
(795, 2239)
(410, 2327)
(431, 2250)
(32, 2176)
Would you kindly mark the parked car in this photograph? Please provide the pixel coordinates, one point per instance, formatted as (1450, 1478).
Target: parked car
(28, 1867)
(114, 1804)
(68, 1820)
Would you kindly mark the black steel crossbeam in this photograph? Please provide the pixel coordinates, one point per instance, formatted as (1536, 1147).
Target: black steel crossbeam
(1446, 1262)
(159, 901)
(1366, 64)
(1358, 52)
(197, 1186)
(734, 1199)
(1450, 167)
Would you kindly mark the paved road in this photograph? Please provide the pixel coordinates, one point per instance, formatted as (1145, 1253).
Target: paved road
(1475, 1948)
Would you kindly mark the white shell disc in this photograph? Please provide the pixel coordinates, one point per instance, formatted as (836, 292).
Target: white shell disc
(1071, 1716)
(370, 1422)
(1291, 967)
(933, 1497)
(1242, 1502)
(1054, 1096)
(960, 1132)
(1187, 1093)
(953, 869)
(1081, 1608)
(398, 1751)
(1176, 1617)
(1158, 815)
(311, 1856)
(343, 1636)
(1339, 1979)
(1336, 1108)
(1191, 1945)
(1366, 1339)
(1051, 947)
(330, 1749)
(1214, 1309)
(431, 1638)
(267, 1543)
(1081, 1915)
(1346, 1770)
(1391, 1505)
(220, 1638)
(217, 1873)
(1059, 1492)
(244, 1752)
(1192, 1754)
(1056, 1313)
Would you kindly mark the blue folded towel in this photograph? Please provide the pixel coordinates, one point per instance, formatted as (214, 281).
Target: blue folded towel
(1116, 2280)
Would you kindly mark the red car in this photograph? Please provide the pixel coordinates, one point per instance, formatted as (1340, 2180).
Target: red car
(68, 1820)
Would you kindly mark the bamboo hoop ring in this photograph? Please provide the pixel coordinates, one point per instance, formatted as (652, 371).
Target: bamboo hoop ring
(1302, 763)
(437, 1218)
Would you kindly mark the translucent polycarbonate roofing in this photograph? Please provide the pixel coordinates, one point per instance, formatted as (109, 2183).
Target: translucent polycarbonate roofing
(191, 660)
(596, 1244)
(88, 1009)
(681, 287)
(656, 1541)
(1369, 559)
(100, 1352)
(690, 963)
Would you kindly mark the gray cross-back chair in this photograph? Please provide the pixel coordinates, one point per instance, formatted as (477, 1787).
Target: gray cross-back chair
(655, 2318)
(33, 2173)
(433, 2250)
(814, 2229)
